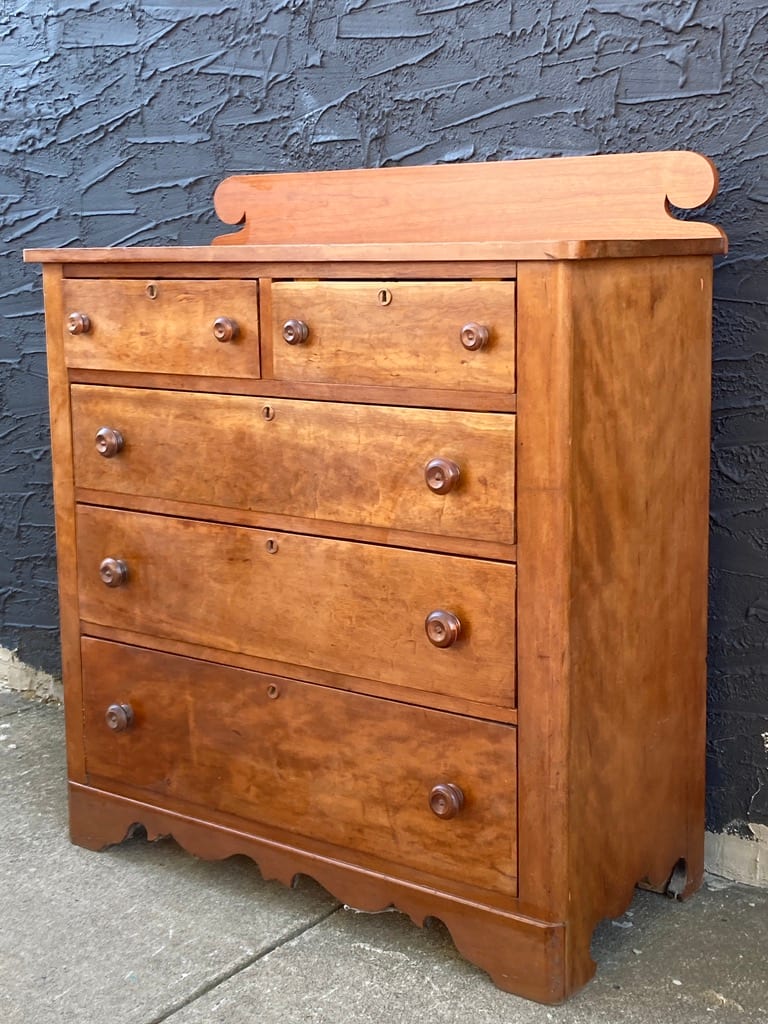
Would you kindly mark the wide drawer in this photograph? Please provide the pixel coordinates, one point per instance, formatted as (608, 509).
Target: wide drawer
(396, 333)
(163, 326)
(363, 465)
(337, 606)
(338, 767)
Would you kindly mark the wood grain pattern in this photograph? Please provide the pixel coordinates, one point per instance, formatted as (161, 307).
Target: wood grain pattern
(314, 460)
(612, 564)
(623, 196)
(638, 624)
(493, 550)
(414, 341)
(432, 398)
(391, 259)
(333, 605)
(544, 580)
(259, 747)
(171, 333)
(406, 694)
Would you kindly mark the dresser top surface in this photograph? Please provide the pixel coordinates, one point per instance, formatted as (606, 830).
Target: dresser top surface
(404, 252)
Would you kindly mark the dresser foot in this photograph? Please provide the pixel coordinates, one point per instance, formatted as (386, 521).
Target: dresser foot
(684, 878)
(513, 962)
(97, 822)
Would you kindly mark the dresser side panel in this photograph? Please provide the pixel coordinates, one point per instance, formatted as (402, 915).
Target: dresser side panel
(64, 502)
(641, 415)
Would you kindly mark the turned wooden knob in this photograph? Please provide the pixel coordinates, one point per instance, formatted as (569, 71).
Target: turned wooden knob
(225, 329)
(113, 572)
(446, 800)
(119, 717)
(78, 323)
(441, 475)
(474, 336)
(108, 441)
(442, 628)
(295, 332)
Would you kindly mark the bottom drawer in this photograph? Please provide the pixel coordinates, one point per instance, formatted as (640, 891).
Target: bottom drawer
(343, 768)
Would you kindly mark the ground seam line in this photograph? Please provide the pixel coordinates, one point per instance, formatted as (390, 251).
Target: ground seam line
(18, 711)
(242, 965)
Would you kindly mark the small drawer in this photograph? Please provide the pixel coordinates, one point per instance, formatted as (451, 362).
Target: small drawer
(451, 474)
(426, 789)
(446, 335)
(200, 328)
(360, 610)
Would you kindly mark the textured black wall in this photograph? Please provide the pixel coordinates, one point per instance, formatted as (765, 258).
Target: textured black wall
(118, 119)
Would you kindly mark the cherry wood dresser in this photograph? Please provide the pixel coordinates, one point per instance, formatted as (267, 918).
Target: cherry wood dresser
(382, 540)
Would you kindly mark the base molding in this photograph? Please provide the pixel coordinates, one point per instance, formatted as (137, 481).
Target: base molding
(738, 857)
(521, 954)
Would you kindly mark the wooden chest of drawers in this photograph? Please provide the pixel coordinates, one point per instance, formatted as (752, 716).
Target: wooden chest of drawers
(382, 531)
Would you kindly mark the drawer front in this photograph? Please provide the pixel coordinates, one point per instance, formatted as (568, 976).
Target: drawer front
(396, 333)
(363, 465)
(337, 606)
(126, 328)
(339, 767)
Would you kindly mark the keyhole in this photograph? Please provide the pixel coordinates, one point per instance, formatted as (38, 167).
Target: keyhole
(151, 290)
(268, 412)
(384, 296)
(271, 546)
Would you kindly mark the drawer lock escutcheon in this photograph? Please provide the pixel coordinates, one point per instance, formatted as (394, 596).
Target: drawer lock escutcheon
(441, 475)
(446, 800)
(119, 717)
(109, 442)
(443, 628)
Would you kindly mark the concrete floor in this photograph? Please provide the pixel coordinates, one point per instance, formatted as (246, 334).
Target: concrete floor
(145, 933)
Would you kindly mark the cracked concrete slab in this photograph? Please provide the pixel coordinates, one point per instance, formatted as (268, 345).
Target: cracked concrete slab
(11, 703)
(702, 961)
(124, 936)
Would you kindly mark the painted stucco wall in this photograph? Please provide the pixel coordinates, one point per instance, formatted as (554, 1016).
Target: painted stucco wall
(118, 119)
